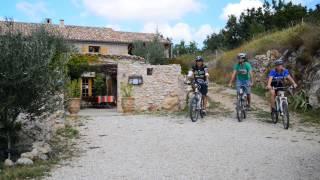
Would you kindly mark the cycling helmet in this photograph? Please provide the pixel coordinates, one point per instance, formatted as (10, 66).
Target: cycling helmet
(199, 59)
(242, 56)
(278, 62)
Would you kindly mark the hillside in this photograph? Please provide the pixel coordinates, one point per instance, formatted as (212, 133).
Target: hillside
(298, 45)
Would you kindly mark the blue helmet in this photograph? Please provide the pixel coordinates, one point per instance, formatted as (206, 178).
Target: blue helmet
(278, 62)
(199, 59)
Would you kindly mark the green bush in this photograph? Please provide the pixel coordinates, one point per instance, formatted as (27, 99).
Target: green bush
(126, 90)
(73, 89)
(78, 64)
(99, 84)
(32, 73)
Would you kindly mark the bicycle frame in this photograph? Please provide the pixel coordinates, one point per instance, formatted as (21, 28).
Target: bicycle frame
(198, 95)
(280, 99)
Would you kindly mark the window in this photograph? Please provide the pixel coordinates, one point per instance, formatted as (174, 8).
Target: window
(149, 71)
(85, 87)
(94, 49)
(135, 80)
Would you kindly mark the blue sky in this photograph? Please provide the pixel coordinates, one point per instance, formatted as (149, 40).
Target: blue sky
(177, 19)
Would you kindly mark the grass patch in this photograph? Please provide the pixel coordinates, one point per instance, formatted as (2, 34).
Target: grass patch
(68, 132)
(310, 116)
(262, 115)
(61, 150)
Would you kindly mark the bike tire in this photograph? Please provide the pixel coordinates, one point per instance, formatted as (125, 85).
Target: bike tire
(194, 113)
(243, 107)
(239, 111)
(274, 117)
(285, 116)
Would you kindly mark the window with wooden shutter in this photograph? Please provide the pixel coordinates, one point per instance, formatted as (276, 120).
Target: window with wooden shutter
(104, 50)
(85, 49)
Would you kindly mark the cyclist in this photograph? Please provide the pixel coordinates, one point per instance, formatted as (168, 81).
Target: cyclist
(242, 72)
(276, 79)
(200, 74)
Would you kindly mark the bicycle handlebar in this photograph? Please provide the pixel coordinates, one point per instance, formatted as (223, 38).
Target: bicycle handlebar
(284, 87)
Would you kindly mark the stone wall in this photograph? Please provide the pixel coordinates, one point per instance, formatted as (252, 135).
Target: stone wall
(106, 48)
(163, 90)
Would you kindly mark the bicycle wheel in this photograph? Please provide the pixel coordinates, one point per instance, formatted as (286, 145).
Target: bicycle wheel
(239, 110)
(243, 107)
(194, 113)
(285, 116)
(274, 117)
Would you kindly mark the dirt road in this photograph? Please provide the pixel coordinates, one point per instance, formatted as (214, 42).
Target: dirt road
(172, 147)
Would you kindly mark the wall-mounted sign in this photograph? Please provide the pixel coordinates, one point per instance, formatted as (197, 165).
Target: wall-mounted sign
(135, 80)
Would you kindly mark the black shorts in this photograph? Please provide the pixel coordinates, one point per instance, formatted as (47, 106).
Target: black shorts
(203, 89)
(277, 85)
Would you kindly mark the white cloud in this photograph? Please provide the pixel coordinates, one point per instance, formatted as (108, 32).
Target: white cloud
(33, 10)
(142, 10)
(181, 31)
(237, 8)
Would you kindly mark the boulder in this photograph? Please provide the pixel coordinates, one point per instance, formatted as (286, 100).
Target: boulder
(314, 91)
(8, 163)
(24, 162)
(42, 147)
(171, 103)
(28, 155)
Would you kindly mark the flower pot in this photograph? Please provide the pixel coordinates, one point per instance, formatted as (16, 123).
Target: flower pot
(74, 106)
(127, 104)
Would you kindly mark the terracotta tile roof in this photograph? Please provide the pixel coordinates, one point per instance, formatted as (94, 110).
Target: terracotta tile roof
(85, 33)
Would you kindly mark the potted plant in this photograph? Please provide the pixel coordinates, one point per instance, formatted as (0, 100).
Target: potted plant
(73, 92)
(127, 101)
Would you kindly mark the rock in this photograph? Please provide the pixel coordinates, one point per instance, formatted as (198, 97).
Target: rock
(24, 162)
(35, 152)
(8, 163)
(314, 91)
(27, 155)
(43, 157)
(171, 103)
(42, 147)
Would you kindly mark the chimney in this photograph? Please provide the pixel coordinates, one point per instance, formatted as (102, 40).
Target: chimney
(48, 21)
(61, 23)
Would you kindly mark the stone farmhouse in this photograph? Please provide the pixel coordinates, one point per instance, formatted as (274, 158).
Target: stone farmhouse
(156, 87)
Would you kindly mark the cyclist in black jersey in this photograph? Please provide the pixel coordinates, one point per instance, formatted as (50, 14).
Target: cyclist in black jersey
(200, 74)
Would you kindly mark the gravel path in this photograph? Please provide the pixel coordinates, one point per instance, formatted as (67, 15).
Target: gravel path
(149, 147)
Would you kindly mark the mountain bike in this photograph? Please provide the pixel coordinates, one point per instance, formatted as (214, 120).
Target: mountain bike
(281, 106)
(241, 105)
(196, 105)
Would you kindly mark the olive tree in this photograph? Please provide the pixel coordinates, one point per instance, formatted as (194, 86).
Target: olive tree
(32, 73)
(153, 52)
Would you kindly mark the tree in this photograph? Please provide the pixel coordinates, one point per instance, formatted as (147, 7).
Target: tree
(153, 52)
(139, 49)
(32, 72)
(192, 48)
(214, 42)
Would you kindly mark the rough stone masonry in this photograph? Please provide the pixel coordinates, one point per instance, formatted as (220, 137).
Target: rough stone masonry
(162, 89)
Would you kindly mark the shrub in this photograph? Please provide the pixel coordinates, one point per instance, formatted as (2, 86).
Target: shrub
(73, 89)
(99, 84)
(32, 73)
(126, 90)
